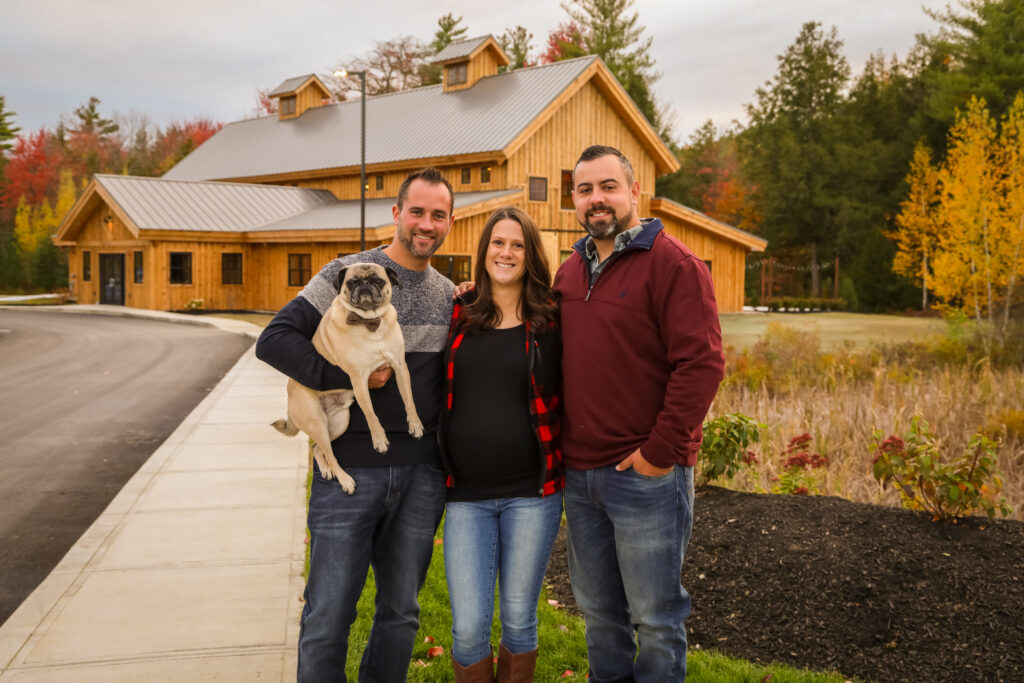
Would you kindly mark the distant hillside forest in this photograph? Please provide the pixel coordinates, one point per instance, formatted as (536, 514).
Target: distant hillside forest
(898, 187)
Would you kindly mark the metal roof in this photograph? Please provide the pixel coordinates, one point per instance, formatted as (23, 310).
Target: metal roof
(158, 204)
(345, 214)
(290, 85)
(463, 48)
(413, 124)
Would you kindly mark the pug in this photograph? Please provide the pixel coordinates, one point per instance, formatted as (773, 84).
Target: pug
(358, 333)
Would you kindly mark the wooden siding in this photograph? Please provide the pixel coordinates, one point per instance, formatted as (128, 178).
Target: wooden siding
(557, 143)
(728, 261)
(347, 186)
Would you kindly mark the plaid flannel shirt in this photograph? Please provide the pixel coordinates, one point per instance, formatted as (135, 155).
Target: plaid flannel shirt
(544, 401)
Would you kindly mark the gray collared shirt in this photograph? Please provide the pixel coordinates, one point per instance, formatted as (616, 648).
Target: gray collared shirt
(622, 241)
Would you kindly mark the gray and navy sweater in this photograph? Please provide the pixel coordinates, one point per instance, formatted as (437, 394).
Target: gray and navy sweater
(424, 307)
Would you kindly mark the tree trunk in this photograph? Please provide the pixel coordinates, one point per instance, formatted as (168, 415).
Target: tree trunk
(815, 272)
(924, 284)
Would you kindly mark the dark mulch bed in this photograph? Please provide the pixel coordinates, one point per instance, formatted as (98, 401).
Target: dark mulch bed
(872, 592)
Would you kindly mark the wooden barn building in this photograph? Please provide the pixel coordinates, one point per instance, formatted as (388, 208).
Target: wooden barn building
(247, 218)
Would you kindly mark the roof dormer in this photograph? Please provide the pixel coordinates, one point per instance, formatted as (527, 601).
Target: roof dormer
(296, 95)
(467, 61)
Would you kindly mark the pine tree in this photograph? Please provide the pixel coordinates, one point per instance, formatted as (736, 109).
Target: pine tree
(515, 43)
(617, 38)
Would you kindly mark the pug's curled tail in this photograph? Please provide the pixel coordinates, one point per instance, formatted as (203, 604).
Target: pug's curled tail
(286, 427)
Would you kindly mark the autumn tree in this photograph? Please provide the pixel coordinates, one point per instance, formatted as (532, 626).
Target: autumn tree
(390, 65)
(964, 265)
(918, 221)
(567, 41)
(1011, 193)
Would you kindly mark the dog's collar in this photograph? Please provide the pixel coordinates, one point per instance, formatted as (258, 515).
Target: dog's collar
(355, 319)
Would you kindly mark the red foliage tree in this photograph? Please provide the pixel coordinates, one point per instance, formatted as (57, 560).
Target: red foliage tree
(32, 170)
(568, 41)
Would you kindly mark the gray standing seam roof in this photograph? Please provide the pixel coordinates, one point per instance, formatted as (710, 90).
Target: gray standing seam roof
(463, 48)
(290, 85)
(157, 204)
(414, 124)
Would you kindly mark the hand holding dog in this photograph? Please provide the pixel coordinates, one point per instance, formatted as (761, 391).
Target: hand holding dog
(380, 376)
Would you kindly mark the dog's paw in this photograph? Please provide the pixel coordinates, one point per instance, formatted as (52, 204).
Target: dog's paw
(416, 428)
(380, 444)
(327, 474)
(348, 484)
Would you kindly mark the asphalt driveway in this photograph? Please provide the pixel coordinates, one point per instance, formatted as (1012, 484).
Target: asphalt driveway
(84, 401)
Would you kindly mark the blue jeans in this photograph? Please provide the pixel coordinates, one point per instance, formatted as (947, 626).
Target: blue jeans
(508, 540)
(389, 524)
(627, 537)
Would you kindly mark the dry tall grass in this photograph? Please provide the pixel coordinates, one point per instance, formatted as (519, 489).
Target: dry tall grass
(785, 382)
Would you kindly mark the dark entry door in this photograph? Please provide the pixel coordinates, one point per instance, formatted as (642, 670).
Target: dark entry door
(112, 279)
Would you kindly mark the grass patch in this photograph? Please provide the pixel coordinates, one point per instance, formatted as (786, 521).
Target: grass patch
(742, 330)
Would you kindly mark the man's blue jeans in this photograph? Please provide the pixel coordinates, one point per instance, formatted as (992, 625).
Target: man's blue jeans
(507, 540)
(627, 537)
(389, 524)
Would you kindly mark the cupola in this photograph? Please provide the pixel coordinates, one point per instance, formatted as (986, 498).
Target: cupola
(298, 94)
(467, 61)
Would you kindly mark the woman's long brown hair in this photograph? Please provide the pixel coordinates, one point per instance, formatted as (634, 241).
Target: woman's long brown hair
(535, 303)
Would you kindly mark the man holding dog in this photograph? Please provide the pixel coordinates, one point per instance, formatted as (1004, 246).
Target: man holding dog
(390, 520)
(642, 364)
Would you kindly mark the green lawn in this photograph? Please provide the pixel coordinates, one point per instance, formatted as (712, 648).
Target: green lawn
(741, 330)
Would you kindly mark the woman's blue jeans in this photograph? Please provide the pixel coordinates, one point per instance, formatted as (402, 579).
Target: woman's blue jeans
(627, 537)
(508, 541)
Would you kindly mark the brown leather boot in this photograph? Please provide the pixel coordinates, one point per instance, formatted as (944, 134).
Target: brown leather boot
(481, 672)
(516, 668)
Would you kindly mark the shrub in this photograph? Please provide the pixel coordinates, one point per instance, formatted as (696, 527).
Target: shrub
(946, 490)
(194, 305)
(725, 447)
(798, 464)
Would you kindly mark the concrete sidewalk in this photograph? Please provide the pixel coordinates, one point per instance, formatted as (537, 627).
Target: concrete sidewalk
(194, 570)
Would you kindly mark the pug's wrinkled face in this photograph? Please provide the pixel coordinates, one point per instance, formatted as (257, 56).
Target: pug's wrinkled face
(366, 286)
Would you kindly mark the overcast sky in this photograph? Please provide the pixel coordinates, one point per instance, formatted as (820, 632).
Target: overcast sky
(181, 59)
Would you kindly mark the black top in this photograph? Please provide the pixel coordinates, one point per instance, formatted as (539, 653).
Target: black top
(493, 448)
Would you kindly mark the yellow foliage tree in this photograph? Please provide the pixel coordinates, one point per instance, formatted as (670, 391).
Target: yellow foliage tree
(35, 227)
(963, 267)
(917, 221)
(1011, 161)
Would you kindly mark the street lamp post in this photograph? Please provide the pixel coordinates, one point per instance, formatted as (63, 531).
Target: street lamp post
(362, 154)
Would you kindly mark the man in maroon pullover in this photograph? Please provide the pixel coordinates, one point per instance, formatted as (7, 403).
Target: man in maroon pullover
(641, 364)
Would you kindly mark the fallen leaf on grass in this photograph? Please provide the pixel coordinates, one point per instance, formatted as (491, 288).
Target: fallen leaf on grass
(421, 663)
(428, 639)
(567, 673)
(438, 541)
(554, 603)
(435, 651)
(563, 628)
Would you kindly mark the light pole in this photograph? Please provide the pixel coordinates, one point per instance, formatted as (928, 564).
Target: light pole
(362, 153)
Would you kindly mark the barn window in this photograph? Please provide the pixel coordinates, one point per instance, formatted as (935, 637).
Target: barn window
(137, 263)
(231, 269)
(567, 190)
(379, 183)
(467, 176)
(708, 264)
(181, 267)
(485, 174)
(288, 105)
(538, 189)
(455, 268)
(456, 73)
(300, 268)
(86, 266)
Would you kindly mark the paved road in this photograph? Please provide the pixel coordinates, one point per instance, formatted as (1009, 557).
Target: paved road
(84, 401)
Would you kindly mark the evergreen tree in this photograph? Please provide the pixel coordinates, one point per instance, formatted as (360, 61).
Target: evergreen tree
(976, 53)
(449, 30)
(617, 38)
(794, 153)
(8, 131)
(515, 43)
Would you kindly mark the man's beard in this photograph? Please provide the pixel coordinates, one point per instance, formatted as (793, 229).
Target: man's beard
(605, 230)
(406, 238)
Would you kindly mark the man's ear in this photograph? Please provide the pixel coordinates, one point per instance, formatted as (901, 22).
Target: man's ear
(339, 279)
(393, 276)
